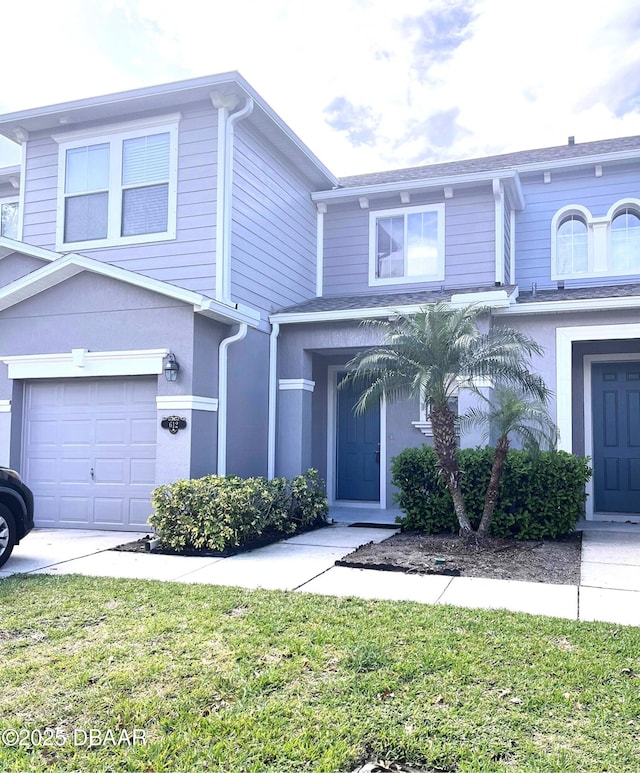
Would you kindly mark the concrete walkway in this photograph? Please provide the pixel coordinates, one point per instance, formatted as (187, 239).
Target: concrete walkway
(609, 589)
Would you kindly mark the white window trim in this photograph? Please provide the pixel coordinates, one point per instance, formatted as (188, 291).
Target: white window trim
(81, 363)
(114, 136)
(373, 217)
(598, 240)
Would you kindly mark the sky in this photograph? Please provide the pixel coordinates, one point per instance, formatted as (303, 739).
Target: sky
(368, 85)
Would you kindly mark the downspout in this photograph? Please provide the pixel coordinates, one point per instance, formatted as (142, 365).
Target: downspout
(273, 396)
(226, 124)
(223, 391)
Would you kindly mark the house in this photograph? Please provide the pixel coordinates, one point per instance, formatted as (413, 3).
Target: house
(182, 283)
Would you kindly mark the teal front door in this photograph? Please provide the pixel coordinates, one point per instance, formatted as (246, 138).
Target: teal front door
(357, 449)
(616, 436)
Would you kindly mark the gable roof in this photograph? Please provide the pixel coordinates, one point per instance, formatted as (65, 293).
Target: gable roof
(59, 268)
(169, 97)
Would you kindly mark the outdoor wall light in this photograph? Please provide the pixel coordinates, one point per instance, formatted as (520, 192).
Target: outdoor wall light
(171, 368)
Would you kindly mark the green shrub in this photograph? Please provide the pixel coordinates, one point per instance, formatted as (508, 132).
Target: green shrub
(541, 496)
(218, 512)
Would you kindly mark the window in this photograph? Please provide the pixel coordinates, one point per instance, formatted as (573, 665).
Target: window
(118, 189)
(625, 241)
(572, 245)
(406, 245)
(584, 246)
(9, 219)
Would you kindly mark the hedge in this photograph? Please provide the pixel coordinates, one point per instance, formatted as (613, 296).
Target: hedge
(219, 512)
(541, 496)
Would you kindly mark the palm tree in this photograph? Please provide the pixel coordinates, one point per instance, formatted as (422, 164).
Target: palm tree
(428, 355)
(510, 412)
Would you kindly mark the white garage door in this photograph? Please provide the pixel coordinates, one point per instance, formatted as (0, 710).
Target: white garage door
(89, 451)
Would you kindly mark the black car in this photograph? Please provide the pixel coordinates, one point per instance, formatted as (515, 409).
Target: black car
(16, 511)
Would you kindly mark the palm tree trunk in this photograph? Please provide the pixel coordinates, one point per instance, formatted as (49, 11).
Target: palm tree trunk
(445, 445)
(491, 497)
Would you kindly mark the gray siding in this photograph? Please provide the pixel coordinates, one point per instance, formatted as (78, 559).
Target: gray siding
(469, 243)
(187, 261)
(533, 224)
(273, 243)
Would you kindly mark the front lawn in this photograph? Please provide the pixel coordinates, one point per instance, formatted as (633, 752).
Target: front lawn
(224, 679)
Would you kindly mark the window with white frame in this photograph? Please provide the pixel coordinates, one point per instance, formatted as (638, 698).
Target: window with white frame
(585, 246)
(9, 218)
(118, 188)
(406, 245)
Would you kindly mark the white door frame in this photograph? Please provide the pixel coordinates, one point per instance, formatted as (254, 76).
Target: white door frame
(332, 406)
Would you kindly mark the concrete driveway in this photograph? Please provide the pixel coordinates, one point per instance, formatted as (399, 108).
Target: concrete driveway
(609, 589)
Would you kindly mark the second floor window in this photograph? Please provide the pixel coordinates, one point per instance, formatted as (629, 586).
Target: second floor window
(118, 189)
(406, 245)
(9, 219)
(583, 245)
(625, 241)
(572, 245)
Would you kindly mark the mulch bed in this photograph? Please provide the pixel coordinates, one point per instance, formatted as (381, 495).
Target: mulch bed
(549, 561)
(142, 546)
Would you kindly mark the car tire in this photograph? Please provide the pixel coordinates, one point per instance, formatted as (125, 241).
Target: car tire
(7, 533)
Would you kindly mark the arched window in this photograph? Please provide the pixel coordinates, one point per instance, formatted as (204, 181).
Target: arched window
(625, 241)
(572, 254)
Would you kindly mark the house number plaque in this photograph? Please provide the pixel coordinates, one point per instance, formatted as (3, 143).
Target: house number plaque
(173, 423)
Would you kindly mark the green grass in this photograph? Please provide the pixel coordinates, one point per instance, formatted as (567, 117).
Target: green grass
(223, 679)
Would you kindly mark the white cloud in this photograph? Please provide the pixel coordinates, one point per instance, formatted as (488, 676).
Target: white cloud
(517, 77)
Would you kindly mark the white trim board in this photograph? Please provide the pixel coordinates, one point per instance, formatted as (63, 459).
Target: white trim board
(80, 363)
(332, 404)
(587, 362)
(296, 383)
(5, 406)
(565, 337)
(186, 403)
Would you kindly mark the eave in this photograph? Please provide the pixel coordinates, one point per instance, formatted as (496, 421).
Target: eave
(59, 268)
(509, 178)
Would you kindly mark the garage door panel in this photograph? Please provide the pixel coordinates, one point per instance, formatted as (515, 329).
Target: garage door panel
(112, 471)
(38, 471)
(112, 393)
(143, 472)
(112, 432)
(109, 511)
(42, 433)
(74, 471)
(74, 426)
(76, 510)
(77, 392)
(75, 433)
(143, 432)
(139, 512)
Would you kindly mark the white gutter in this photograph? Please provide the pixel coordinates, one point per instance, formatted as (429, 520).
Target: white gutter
(223, 391)
(509, 177)
(578, 304)
(496, 299)
(273, 395)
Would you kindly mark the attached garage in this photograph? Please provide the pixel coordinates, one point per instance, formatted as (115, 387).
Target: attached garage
(89, 451)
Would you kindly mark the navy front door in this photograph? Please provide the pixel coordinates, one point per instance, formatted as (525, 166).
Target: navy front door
(616, 436)
(357, 448)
